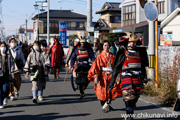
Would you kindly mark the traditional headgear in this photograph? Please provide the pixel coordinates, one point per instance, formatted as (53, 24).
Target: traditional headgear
(132, 37)
(83, 40)
(88, 40)
(123, 41)
(56, 39)
(77, 40)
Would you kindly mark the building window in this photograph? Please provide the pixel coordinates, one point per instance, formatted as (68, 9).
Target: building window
(75, 25)
(129, 15)
(53, 27)
(115, 19)
(161, 7)
(45, 26)
(80, 26)
(107, 18)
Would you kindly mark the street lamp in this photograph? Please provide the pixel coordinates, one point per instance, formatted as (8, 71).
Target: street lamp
(36, 6)
(44, 4)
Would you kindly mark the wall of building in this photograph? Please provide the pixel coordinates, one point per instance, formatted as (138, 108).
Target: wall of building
(174, 27)
(170, 6)
(140, 15)
(69, 32)
(107, 16)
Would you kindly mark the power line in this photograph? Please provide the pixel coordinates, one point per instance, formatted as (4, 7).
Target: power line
(80, 2)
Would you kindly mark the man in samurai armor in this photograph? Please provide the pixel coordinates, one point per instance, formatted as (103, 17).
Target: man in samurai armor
(82, 54)
(132, 61)
(57, 54)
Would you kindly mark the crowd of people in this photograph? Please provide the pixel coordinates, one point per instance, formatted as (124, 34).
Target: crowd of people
(108, 60)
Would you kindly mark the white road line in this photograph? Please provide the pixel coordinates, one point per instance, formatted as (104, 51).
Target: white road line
(163, 108)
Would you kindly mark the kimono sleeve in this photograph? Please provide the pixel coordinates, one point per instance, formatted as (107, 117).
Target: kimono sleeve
(95, 70)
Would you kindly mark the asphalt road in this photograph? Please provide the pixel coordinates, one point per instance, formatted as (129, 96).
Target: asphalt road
(62, 103)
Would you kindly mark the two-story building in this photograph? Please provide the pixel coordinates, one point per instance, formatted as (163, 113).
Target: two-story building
(133, 15)
(110, 18)
(75, 22)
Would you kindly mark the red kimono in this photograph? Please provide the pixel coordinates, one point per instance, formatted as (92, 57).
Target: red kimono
(57, 54)
(101, 89)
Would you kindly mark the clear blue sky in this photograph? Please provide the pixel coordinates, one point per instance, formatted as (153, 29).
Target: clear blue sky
(16, 11)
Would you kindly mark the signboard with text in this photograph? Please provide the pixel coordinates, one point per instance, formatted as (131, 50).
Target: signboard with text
(166, 39)
(63, 33)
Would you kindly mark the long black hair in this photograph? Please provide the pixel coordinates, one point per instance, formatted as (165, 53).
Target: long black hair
(5, 46)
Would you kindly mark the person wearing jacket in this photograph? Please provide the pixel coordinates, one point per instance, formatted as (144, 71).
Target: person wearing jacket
(36, 66)
(17, 63)
(4, 75)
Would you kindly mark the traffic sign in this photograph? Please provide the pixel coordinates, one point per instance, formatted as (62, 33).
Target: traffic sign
(142, 3)
(151, 11)
(63, 33)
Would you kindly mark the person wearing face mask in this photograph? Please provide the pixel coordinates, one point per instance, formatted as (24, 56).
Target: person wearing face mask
(4, 75)
(132, 60)
(36, 66)
(56, 52)
(100, 73)
(17, 63)
(82, 54)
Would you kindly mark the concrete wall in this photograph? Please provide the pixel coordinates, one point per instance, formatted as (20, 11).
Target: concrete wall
(167, 55)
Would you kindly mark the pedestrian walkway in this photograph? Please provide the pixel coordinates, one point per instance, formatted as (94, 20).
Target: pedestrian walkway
(62, 103)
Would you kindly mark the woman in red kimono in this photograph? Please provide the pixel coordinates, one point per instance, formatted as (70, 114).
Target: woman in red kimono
(100, 73)
(57, 53)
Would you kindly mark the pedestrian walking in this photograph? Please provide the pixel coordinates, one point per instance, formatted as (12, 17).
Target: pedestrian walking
(17, 63)
(133, 62)
(36, 66)
(82, 54)
(100, 73)
(69, 54)
(4, 75)
(56, 52)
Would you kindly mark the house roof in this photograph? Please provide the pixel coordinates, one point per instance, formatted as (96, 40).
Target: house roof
(109, 6)
(128, 28)
(61, 14)
(101, 25)
(170, 17)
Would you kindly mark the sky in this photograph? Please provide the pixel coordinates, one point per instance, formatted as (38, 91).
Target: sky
(15, 12)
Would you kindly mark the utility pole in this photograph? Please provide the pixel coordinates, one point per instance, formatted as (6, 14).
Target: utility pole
(48, 21)
(89, 27)
(89, 13)
(156, 39)
(26, 30)
(151, 47)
